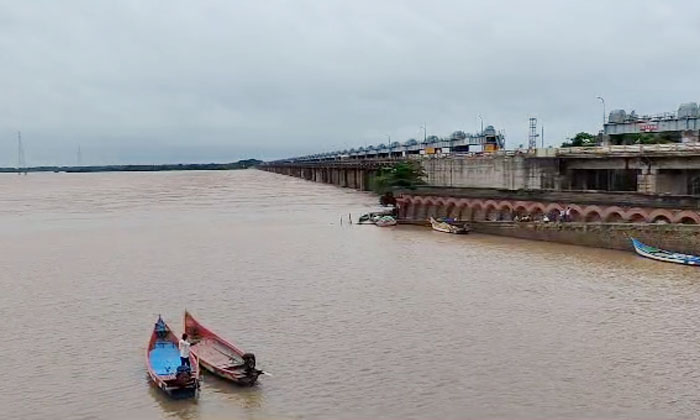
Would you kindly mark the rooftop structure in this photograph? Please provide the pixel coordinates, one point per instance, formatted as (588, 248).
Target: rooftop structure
(682, 126)
(489, 140)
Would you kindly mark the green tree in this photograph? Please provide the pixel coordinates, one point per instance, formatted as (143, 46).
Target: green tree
(581, 139)
(647, 138)
(404, 174)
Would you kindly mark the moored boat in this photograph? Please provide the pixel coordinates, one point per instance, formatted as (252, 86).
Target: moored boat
(373, 216)
(448, 226)
(664, 255)
(164, 364)
(219, 356)
(385, 221)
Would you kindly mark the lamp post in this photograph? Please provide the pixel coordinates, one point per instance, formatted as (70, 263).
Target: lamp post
(600, 98)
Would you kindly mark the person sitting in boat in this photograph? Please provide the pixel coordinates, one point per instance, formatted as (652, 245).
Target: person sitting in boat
(184, 347)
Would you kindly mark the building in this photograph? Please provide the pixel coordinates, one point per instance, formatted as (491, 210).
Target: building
(682, 126)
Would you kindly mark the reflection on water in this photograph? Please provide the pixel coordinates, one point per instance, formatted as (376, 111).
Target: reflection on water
(248, 398)
(185, 409)
(353, 321)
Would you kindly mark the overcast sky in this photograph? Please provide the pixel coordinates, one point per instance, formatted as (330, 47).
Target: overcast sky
(180, 81)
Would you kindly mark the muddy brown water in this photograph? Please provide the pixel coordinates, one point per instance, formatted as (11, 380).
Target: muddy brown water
(353, 321)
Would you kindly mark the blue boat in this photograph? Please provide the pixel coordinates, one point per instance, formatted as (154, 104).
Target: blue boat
(164, 365)
(663, 255)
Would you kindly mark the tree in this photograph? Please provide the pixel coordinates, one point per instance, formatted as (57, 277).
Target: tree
(648, 138)
(404, 174)
(581, 139)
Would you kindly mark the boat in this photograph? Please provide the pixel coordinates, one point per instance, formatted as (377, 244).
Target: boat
(385, 221)
(663, 255)
(219, 356)
(448, 226)
(373, 216)
(164, 365)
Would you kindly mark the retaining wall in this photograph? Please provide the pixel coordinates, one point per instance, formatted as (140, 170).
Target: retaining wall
(679, 238)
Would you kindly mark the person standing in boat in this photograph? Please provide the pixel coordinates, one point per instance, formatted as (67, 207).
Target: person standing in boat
(184, 347)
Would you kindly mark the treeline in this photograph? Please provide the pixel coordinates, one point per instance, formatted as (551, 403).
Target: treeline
(241, 164)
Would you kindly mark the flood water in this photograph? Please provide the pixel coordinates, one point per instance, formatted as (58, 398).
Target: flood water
(352, 321)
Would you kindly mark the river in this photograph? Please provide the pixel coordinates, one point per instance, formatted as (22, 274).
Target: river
(353, 321)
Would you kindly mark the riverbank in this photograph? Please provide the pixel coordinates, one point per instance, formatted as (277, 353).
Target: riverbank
(675, 237)
(241, 164)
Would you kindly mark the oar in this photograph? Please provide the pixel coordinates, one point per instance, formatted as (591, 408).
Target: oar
(229, 356)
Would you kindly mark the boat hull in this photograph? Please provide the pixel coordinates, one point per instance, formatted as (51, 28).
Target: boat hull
(664, 255)
(447, 227)
(218, 356)
(163, 361)
(242, 380)
(386, 221)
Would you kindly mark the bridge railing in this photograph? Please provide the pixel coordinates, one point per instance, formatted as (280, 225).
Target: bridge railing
(668, 148)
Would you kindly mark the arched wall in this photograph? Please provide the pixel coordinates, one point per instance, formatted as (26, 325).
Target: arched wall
(422, 207)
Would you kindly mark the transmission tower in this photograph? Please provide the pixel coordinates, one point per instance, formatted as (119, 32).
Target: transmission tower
(532, 139)
(21, 163)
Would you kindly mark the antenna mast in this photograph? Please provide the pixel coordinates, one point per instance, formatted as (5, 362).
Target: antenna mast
(21, 163)
(532, 139)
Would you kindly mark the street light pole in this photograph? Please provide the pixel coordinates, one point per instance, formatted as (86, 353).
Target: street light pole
(600, 98)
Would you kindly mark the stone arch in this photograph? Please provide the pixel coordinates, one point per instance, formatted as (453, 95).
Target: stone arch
(592, 214)
(490, 203)
(450, 205)
(687, 218)
(636, 217)
(575, 213)
(520, 209)
(421, 209)
(536, 211)
(505, 210)
(553, 207)
(477, 210)
(553, 210)
(464, 212)
(440, 208)
(663, 219)
(491, 211)
(660, 216)
(504, 206)
(613, 214)
(614, 217)
(461, 209)
(406, 208)
(431, 208)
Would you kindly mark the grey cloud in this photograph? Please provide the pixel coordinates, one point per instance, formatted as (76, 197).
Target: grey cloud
(134, 81)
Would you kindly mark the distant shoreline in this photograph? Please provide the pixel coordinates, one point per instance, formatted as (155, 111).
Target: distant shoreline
(241, 164)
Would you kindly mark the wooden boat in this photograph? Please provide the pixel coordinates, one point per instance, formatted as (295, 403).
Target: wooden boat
(164, 365)
(385, 221)
(220, 357)
(448, 226)
(663, 255)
